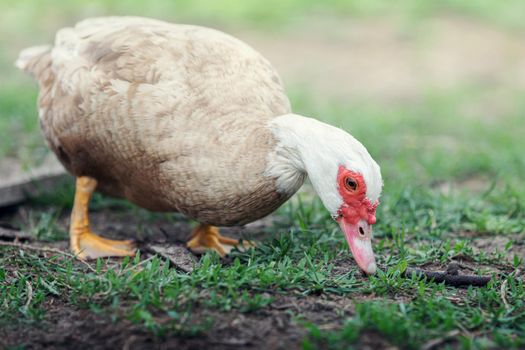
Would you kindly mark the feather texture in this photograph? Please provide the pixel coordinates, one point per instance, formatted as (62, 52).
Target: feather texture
(171, 117)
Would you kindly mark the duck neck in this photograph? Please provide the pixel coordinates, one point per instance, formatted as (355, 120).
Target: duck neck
(305, 148)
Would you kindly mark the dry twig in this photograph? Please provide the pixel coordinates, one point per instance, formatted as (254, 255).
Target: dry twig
(503, 290)
(8, 233)
(451, 277)
(438, 341)
(46, 250)
(503, 293)
(29, 295)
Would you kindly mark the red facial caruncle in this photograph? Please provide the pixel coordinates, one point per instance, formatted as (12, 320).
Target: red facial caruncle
(356, 206)
(356, 217)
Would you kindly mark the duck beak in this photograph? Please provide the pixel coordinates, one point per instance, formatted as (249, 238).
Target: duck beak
(359, 238)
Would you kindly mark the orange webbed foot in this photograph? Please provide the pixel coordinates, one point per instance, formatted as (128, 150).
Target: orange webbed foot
(207, 237)
(84, 243)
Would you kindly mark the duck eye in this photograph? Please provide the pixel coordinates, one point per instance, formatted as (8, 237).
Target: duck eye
(351, 184)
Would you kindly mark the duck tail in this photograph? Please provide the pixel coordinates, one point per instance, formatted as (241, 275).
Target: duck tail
(35, 60)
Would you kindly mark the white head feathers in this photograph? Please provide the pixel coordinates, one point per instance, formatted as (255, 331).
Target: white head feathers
(308, 146)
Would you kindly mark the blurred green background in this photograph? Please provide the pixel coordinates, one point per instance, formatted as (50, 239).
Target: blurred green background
(433, 89)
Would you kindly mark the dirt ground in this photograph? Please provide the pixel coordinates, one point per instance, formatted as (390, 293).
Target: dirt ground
(271, 328)
(382, 61)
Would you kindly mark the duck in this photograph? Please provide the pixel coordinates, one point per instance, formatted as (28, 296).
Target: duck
(188, 119)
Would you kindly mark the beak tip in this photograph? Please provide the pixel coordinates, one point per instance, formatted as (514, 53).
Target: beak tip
(371, 268)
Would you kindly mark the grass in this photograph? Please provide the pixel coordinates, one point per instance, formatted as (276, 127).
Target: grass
(298, 262)
(430, 317)
(20, 137)
(269, 14)
(418, 225)
(446, 138)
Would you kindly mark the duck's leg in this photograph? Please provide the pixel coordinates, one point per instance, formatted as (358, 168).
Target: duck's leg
(84, 243)
(205, 237)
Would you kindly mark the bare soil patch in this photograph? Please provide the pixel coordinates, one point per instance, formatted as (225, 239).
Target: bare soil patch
(65, 325)
(81, 328)
(280, 325)
(275, 327)
(497, 243)
(385, 61)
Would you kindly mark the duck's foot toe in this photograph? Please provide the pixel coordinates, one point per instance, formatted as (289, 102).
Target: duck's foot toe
(92, 246)
(207, 237)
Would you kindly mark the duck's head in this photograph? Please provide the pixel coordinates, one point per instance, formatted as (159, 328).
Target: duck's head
(342, 172)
